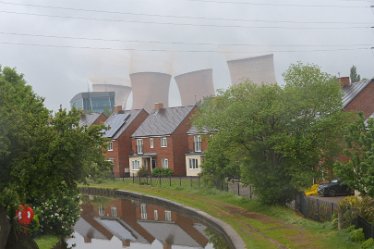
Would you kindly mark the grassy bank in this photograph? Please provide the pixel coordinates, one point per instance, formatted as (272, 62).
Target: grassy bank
(260, 226)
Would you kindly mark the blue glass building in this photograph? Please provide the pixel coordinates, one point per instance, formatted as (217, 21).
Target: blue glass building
(93, 101)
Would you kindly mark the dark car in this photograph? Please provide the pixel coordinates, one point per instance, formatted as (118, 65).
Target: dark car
(334, 188)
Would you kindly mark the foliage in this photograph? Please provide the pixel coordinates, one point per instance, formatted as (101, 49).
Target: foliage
(358, 171)
(43, 155)
(349, 209)
(162, 172)
(368, 244)
(353, 74)
(313, 190)
(367, 209)
(143, 172)
(274, 137)
(357, 235)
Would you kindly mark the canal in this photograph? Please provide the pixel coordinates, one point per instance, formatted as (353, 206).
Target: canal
(133, 223)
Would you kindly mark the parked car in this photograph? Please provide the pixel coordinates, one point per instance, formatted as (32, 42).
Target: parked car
(334, 188)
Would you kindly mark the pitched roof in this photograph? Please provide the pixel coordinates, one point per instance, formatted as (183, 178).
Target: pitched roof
(163, 122)
(351, 91)
(88, 119)
(118, 122)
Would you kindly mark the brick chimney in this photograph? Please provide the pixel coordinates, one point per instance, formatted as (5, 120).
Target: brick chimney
(344, 81)
(117, 109)
(158, 107)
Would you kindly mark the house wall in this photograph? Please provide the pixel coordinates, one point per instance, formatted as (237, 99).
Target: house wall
(363, 102)
(122, 147)
(204, 142)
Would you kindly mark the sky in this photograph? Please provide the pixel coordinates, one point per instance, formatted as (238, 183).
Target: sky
(60, 46)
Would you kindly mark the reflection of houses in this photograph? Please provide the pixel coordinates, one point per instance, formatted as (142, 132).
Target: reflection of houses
(161, 140)
(121, 125)
(134, 222)
(197, 144)
(358, 96)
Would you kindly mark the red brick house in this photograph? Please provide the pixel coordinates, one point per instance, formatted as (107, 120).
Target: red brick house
(358, 96)
(197, 144)
(121, 126)
(161, 140)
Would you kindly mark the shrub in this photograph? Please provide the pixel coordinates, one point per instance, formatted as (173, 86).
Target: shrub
(357, 235)
(162, 172)
(349, 210)
(143, 172)
(368, 244)
(367, 209)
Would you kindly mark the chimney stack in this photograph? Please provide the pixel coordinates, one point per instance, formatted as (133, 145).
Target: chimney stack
(158, 106)
(117, 109)
(344, 81)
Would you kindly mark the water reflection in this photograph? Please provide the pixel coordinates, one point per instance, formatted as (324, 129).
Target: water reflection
(125, 223)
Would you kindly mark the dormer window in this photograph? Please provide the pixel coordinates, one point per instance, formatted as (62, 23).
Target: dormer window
(164, 142)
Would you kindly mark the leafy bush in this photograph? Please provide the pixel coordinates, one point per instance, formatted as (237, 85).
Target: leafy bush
(349, 210)
(143, 172)
(367, 209)
(162, 172)
(368, 244)
(357, 235)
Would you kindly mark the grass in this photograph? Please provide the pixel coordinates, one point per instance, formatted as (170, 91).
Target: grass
(46, 241)
(259, 226)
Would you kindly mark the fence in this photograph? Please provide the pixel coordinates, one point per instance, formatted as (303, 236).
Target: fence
(236, 187)
(166, 181)
(315, 208)
(368, 228)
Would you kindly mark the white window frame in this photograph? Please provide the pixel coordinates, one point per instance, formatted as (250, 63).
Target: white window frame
(165, 163)
(139, 146)
(110, 146)
(143, 211)
(155, 214)
(164, 142)
(151, 143)
(135, 164)
(167, 215)
(101, 211)
(193, 163)
(113, 211)
(197, 143)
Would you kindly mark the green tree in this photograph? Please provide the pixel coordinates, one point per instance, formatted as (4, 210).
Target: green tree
(353, 74)
(358, 170)
(43, 156)
(273, 136)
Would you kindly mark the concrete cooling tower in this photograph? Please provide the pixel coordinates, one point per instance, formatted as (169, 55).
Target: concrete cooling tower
(149, 88)
(258, 70)
(121, 92)
(194, 86)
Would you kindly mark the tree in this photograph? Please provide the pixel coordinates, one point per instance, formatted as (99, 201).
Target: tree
(358, 170)
(354, 76)
(43, 156)
(273, 136)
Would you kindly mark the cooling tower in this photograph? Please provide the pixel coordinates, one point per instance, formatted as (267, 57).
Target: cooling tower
(149, 88)
(194, 86)
(258, 70)
(121, 92)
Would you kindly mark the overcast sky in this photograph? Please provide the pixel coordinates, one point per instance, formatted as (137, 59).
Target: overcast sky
(60, 45)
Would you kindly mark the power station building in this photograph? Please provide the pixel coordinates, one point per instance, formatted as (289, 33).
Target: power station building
(258, 70)
(93, 101)
(149, 88)
(194, 86)
(121, 92)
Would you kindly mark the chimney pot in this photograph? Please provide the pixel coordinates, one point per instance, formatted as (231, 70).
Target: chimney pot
(344, 81)
(158, 106)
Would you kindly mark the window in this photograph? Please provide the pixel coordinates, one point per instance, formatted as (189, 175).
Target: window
(143, 211)
(151, 145)
(197, 143)
(110, 146)
(167, 215)
(165, 163)
(135, 164)
(139, 146)
(194, 163)
(164, 142)
(101, 211)
(113, 211)
(155, 214)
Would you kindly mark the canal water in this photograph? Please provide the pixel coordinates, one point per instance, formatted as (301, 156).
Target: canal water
(111, 223)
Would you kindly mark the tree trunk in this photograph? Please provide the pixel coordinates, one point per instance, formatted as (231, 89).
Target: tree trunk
(4, 228)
